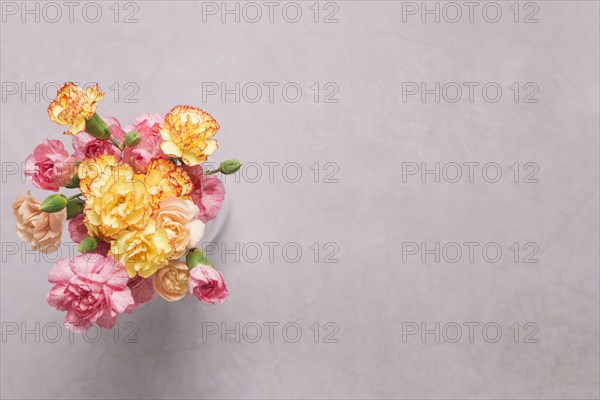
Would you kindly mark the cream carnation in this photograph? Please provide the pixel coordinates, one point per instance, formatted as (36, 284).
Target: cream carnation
(178, 218)
(42, 230)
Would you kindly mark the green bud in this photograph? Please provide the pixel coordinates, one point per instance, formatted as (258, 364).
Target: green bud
(132, 138)
(54, 203)
(88, 244)
(196, 257)
(229, 167)
(96, 127)
(74, 207)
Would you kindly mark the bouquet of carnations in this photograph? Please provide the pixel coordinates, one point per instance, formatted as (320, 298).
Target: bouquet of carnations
(141, 204)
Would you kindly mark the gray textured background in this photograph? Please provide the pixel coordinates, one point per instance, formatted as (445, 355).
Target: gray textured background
(369, 213)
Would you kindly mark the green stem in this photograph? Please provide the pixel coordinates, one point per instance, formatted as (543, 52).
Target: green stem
(214, 171)
(117, 143)
(75, 196)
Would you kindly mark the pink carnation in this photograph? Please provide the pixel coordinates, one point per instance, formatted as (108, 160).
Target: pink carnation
(208, 193)
(91, 289)
(77, 228)
(49, 166)
(142, 292)
(87, 146)
(139, 156)
(207, 284)
(148, 119)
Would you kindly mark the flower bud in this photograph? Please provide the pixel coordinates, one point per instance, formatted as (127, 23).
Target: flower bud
(87, 245)
(54, 203)
(229, 167)
(196, 257)
(74, 207)
(132, 138)
(96, 127)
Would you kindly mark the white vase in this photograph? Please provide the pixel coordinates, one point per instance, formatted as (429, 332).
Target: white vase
(215, 227)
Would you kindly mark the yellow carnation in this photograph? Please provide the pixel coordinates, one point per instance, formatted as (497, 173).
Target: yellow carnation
(142, 252)
(116, 200)
(94, 169)
(73, 106)
(164, 179)
(187, 133)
